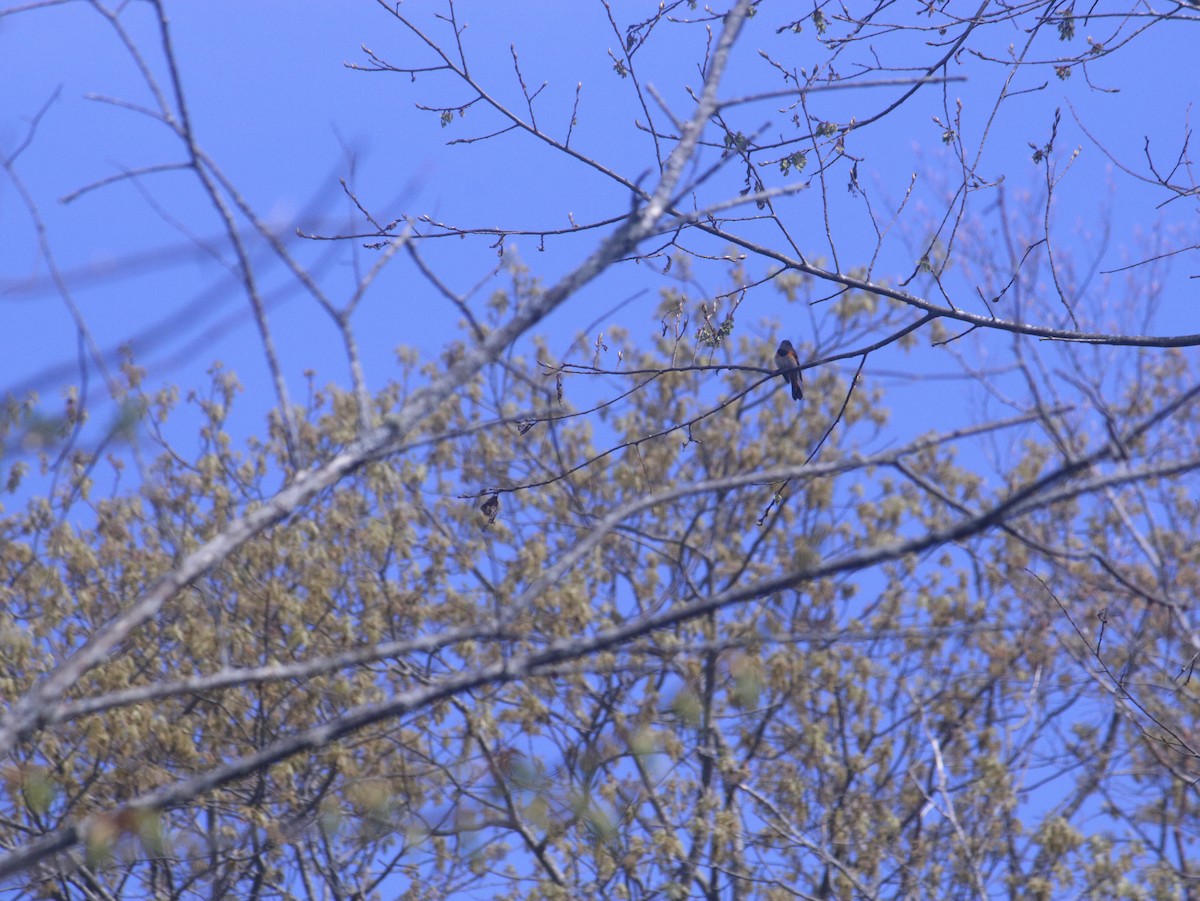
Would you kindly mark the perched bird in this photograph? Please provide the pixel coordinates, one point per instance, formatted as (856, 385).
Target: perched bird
(490, 508)
(788, 363)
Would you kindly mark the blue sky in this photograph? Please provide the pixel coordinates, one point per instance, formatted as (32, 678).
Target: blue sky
(273, 104)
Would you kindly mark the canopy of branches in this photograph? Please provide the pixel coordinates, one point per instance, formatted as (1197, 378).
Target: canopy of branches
(566, 596)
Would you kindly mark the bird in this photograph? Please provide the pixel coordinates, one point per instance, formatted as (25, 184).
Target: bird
(788, 364)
